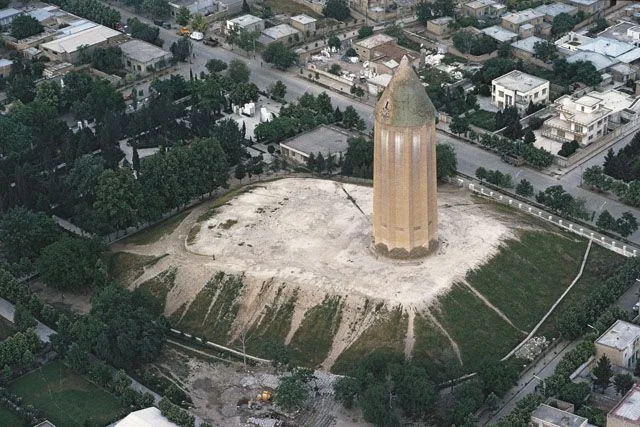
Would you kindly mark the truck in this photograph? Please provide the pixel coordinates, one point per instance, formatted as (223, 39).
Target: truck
(211, 41)
(513, 159)
(184, 31)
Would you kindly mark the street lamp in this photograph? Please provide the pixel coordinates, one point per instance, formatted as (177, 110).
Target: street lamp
(589, 326)
(544, 384)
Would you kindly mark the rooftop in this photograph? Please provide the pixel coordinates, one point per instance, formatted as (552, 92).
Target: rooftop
(280, 31)
(8, 12)
(599, 61)
(629, 407)
(621, 334)
(303, 19)
(324, 139)
(584, 2)
(527, 44)
(499, 33)
(149, 417)
(142, 51)
(442, 20)
(630, 56)
(5, 62)
(89, 37)
(606, 46)
(556, 9)
(381, 80)
(519, 81)
(375, 40)
(522, 16)
(43, 13)
(245, 20)
(619, 31)
(479, 3)
(558, 417)
(623, 69)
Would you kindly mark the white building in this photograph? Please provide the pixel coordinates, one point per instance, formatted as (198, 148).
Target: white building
(7, 15)
(245, 22)
(548, 416)
(620, 343)
(149, 417)
(627, 412)
(517, 89)
(500, 34)
(588, 117)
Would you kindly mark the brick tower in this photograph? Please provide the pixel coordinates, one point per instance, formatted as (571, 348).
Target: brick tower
(405, 206)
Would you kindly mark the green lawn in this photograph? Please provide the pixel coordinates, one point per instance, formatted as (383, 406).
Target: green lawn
(432, 349)
(125, 267)
(483, 119)
(65, 398)
(528, 275)
(8, 418)
(154, 233)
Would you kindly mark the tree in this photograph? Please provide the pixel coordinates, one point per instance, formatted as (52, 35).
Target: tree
(363, 32)
(481, 173)
(49, 94)
(25, 233)
(345, 391)
(293, 391)
(181, 49)
(336, 9)
(623, 383)
(459, 125)
(627, 224)
(576, 393)
(77, 358)
(158, 8)
(358, 160)
(199, 22)
(529, 137)
(602, 373)
(334, 42)
(562, 23)
(350, 117)
(238, 71)
(73, 264)
(545, 50)
(606, 221)
(524, 188)
(23, 319)
(277, 90)
(142, 31)
(215, 65)
(416, 394)
(183, 16)
(245, 7)
(509, 118)
(446, 161)
(279, 55)
(24, 26)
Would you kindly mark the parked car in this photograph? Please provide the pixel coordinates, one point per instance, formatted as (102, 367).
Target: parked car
(210, 41)
(197, 36)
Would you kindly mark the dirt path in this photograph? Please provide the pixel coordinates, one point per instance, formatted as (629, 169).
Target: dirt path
(454, 344)
(491, 306)
(410, 339)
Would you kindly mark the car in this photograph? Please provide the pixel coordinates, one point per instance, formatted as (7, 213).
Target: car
(197, 36)
(210, 41)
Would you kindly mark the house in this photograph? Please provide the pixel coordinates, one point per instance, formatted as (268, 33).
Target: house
(571, 42)
(548, 416)
(378, 83)
(149, 417)
(624, 31)
(528, 18)
(599, 61)
(623, 73)
(245, 22)
(230, 7)
(585, 119)
(5, 67)
(627, 412)
(7, 15)
(142, 58)
(44, 15)
(500, 34)
(621, 342)
(518, 89)
(325, 140)
(67, 48)
(552, 10)
(440, 26)
(386, 58)
(590, 7)
(365, 47)
(525, 48)
(480, 9)
(280, 33)
(194, 6)
(305, 24)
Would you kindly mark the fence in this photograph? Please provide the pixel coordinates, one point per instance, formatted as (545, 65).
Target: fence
(622, 248)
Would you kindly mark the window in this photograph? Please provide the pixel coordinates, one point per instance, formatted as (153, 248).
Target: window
(582, 108)
(500, 94)
(591, 137)
(590, 128)
(494, 88)
(577, 128)
(535, 95)
(544, 91)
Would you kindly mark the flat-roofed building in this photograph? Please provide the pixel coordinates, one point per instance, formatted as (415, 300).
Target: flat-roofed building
(440, 26)
(599, 61)
(500, 34)
(325, 140)
(514, 20)
(365, 47)
(552, 10)
(483, 9)
(621, 342)
(67, 48)
(194, 6)
(304, 23)
(142, 58)
(5, 67)
(7, 15)
(590, 6)
(280, 33)
(548, 416)
(245, 22)
(627, 412)
(518, 89)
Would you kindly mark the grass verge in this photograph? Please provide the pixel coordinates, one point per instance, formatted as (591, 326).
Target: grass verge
(432, 349)
(125, 267)
(66, 398)
(154, 233)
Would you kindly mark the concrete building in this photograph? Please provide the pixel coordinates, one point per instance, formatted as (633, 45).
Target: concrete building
(67, 47)
(305, 24)
(365, 47)
(571, 41)
(325, 140)
(518, 89)
(623, 73)
(627, 412)
(7, 15)
(599, 61)
(480, 9)
(552, 10)
(624, 31)
(405, 211)
(280, 33)
(245, 22)
(229, 7)
(440, 26)
(141, 58)
(378, 84)
(620, 343)
(386, 59)
(528, 18)
(525, 48)
(5, 67)
(149, 417)
(194, 6)
(548, 416)
(500, 34)
(590, 7)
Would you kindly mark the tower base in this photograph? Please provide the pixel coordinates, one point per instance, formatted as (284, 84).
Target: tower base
(402, 253)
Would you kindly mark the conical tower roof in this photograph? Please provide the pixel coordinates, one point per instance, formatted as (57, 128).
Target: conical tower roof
(405, 101)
